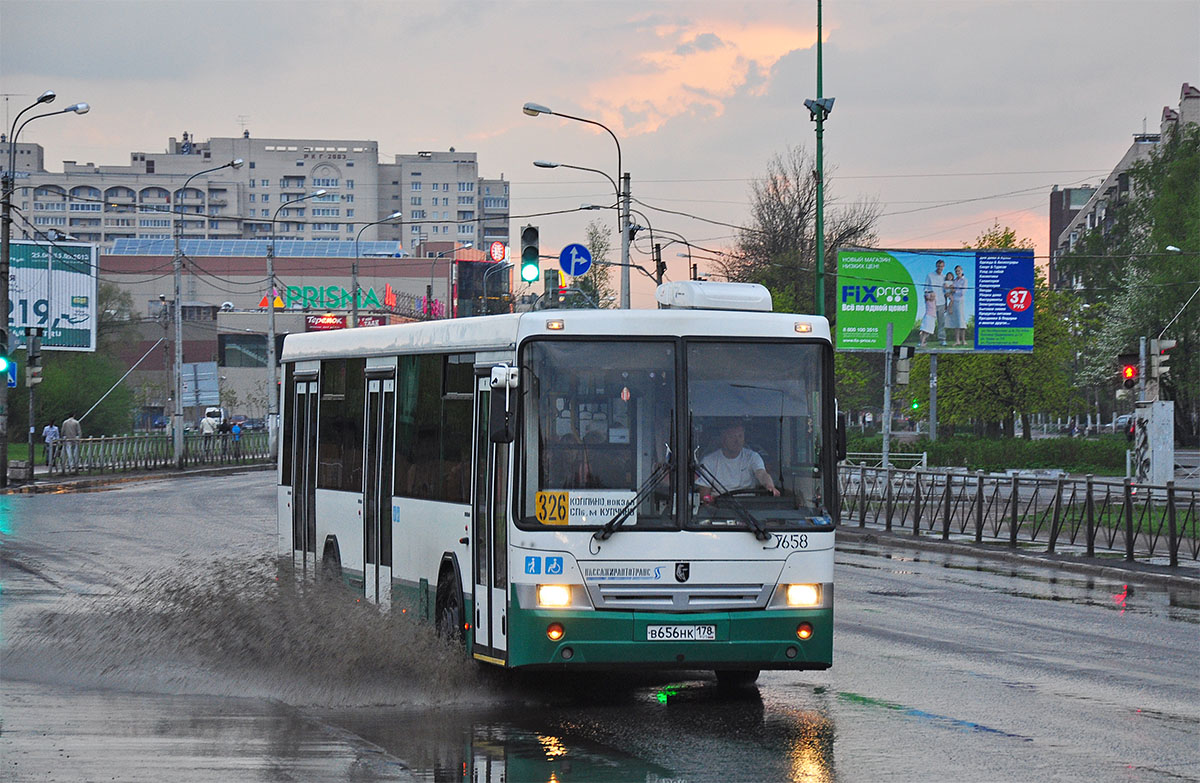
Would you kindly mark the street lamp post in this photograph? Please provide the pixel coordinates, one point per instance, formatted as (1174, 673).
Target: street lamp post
(432, 269)
(7, 186)
(177, 371)
(487, 308)
(533, 110)
(354, 269)
(273, 369)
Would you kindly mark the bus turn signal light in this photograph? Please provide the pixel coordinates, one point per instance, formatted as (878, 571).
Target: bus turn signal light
(554, 632)
(553, 595)
(803, 595)
(804, 631)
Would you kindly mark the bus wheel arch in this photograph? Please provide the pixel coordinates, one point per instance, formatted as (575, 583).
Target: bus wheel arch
(449, 610)
(331, 560)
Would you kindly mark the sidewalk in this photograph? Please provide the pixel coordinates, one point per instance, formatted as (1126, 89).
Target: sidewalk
(46, 481)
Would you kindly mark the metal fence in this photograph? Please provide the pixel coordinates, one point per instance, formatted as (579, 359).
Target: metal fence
(151, 452)
(1139, 522)
(874, 459)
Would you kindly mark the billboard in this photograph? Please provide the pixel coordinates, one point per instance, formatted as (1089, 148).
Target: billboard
(938, 301)
(53, 285)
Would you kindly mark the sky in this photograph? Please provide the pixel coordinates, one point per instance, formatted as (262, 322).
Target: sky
(950, 115)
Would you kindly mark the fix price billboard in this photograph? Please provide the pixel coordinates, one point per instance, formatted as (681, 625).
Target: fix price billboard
(943, 301)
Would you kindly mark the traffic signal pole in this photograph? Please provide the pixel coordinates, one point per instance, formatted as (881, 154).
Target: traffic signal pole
(887, 395)
(933, 357)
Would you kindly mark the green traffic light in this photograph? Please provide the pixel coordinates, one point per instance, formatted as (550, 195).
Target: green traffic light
(915, 404)
(529, 265)
(3, 364)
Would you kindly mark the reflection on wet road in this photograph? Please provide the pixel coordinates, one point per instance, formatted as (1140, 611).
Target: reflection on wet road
(129, 654)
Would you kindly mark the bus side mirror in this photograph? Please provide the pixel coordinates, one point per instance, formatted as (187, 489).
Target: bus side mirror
(501, 414)
(841, 436)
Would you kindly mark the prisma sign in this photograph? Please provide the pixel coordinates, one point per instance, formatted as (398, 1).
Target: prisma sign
(952, 301)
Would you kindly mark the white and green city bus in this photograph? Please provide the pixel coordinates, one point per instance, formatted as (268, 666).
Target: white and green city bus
(542, 485)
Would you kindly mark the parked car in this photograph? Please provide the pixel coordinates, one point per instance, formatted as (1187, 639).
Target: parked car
(1121, 423)
(254, 424)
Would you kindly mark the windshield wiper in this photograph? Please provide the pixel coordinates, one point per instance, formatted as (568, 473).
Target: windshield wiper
(656, 475)
(760, 532)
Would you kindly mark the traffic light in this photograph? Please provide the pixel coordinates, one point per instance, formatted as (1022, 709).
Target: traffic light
(1159, 356)
(916, 404)
(903, 363)
(529, 254)
(5, 359)
(33, 348)
(1129, 375)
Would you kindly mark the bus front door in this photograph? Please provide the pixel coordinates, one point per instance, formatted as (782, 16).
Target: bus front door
(377, 491)
(489, 539)
(304, 400)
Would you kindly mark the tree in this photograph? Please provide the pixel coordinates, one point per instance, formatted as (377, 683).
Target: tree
(72, 383)
(596, 285)
(989, 388)
(1135, 286)
(778, 248)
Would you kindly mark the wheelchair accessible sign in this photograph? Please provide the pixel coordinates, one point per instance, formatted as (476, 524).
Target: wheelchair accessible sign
(533, 565)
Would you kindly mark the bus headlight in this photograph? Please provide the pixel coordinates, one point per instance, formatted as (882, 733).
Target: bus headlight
(553, 595)
(803, 595)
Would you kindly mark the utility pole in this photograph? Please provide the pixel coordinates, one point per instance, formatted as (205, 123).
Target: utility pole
(625, 241)
(933, 357)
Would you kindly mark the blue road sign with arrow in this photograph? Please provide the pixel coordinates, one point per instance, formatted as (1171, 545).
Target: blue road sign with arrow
(575, 259)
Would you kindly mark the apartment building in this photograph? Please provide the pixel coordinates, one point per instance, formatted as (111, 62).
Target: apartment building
(440, 196)
(1116, 187)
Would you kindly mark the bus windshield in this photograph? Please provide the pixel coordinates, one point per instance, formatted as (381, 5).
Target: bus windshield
(755, 434)
(598, 432)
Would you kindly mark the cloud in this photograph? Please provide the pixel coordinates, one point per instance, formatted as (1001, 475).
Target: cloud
(705, 42)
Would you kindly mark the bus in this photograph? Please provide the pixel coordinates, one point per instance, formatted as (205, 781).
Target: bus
(548, 488)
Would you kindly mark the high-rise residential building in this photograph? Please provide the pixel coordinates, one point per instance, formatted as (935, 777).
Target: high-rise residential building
(1095, 213)
(440, 195)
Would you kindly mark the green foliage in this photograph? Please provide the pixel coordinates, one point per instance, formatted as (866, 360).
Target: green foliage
(1135, 287)
(71, 384)
(1102, 456)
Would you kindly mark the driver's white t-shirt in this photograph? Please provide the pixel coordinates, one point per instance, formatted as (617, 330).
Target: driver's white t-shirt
(731, 474)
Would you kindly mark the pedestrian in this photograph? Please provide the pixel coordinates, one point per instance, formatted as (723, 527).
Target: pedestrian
(235, 431)
(208, 426)
(223, 431)
(71, 433)
(50, 435)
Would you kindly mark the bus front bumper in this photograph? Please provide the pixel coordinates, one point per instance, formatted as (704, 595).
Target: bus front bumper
(761, 639)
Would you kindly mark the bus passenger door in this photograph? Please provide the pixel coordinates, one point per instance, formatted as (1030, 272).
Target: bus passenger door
(489, 539)
(378, 451)
(305, 396)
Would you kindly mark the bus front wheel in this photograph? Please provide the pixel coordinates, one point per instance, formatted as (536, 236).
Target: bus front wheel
(449, 610)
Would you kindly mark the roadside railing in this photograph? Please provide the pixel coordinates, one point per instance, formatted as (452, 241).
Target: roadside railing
(123, 453)
(874, 459)
(1138, 522)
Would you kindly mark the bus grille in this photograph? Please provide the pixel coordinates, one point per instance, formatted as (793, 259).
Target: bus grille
(679, 598)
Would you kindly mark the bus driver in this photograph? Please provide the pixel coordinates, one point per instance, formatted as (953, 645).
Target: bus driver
(733, 466)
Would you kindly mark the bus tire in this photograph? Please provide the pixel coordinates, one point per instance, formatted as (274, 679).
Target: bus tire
(448, 609)
(331, 561)
(736, 678)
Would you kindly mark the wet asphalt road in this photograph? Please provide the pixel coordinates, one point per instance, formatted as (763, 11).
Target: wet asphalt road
(945, 668)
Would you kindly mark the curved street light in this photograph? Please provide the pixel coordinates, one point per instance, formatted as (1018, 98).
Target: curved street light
(273, 383)
(177, 410)
(432, 269)
(533, 110)
(487, 308)
(7, 186)
(354, 268)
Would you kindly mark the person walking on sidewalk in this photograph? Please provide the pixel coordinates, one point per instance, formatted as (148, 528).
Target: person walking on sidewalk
(71, 432)
(50, 434)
